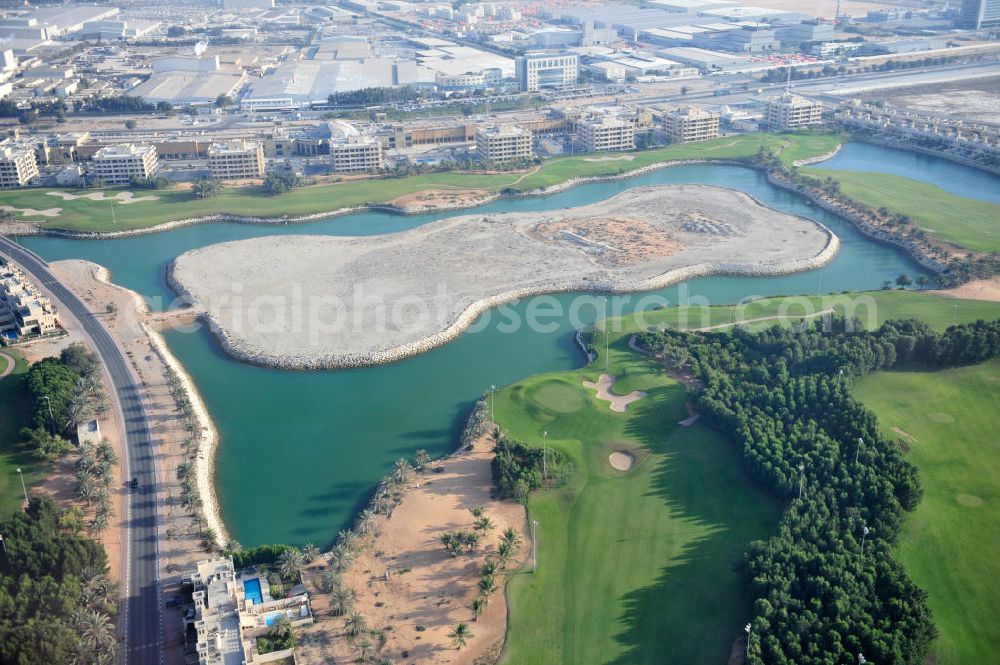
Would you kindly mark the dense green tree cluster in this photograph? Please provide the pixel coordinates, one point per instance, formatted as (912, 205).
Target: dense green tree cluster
(279, 182)
(518, 468)
(65, 391)
(56, 601)
(825, 588)
(370, 96)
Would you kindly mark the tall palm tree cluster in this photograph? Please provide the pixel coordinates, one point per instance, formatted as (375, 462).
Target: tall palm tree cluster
(94, 477)
(93, 621)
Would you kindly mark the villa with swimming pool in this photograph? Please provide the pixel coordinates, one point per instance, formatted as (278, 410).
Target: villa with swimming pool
(229, 610)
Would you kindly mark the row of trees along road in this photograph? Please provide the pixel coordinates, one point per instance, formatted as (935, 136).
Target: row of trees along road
(825, 588)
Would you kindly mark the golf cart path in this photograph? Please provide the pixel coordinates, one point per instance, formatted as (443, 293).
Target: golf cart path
(9, 367)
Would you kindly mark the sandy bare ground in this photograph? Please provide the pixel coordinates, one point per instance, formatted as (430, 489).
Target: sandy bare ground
(619, 158)
(979, 289)
(320, 301)
(124, 198)
(619, 403)
(32, 212)
(425, 587)
(180, 542)
(441, 198)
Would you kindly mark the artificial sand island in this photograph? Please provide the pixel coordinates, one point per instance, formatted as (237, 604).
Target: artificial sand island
(312, 302)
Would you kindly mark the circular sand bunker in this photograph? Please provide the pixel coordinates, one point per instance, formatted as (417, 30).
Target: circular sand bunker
(621, 460)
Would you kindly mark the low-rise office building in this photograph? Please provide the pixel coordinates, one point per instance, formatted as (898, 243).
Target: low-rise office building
(792, 112)
(23, 308)
(120, 164)
(538, 71)
(505, 143)
(356, 155)
(236, 160)
(18, 166)
(687, 124)
(606, 133)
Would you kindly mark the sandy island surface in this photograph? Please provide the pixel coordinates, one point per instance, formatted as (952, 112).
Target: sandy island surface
(308, 302)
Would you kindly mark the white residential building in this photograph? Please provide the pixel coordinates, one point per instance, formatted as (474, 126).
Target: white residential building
(606, 133)
(120, 164)
(23, 308)
(792, 112)
(18, 166)
(505, 143)
(236, 160)
(687, 124)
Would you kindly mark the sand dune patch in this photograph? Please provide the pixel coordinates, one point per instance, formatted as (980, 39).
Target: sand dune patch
(619, 403)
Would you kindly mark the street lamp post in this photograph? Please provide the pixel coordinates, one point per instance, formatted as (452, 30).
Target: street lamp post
(23, 488)
(802, 479)
(52, 421)
(493, 392)
(534, 546)
(864, 536)
(607, 337)
(861, 659)
(857, 451)
(749, 629)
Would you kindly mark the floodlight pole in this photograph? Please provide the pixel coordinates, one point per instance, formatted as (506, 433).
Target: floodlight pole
(493, 392)
(749, 629)
(864, 535)
(802, 479)
(534, 546)
(607, 338)
(857, 451)
(52, 421)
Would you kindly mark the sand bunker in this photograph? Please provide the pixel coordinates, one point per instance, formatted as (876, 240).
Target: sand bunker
(124, 198)
(619, 403)
(621, 460)
(308, 302)
(31, 212)
(619, 158)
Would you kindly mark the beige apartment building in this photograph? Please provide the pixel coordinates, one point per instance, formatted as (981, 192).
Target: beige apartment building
(119, 164)
(23, 308)
(236, 160)
(356, 155)
(505, 143)
(791, 112)
(18, 166)
(688, 124)
(606, 133)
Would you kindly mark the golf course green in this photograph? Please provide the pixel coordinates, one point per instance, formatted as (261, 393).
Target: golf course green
(962, 221)
(178, 203)
(637, 566)
(634, 566)
(948, 420)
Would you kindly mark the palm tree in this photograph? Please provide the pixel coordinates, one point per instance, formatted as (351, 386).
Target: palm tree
(460, 635)
(367, 522)
(402, 471)
(385, 660)
(310, 552)
(511, 536)
(289, 564)
(331, 580)
(365, 650)
(477, 511)
(487, 585)
(479, 606)
(347, 538)
(484, 523)
(340, 558)
(504, 552)
(96, 631)
(355, 624)
(422, 460)
(85, 487)
(341, 601)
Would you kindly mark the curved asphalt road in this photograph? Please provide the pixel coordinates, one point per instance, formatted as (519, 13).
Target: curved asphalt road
(141, 615)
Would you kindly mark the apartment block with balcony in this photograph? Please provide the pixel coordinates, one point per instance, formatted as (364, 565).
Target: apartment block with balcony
(18, 166)
(120, 164)
(356, 155)
(790, 111)
(504, 143)
(236, 160)
(606, 133)
(689, 124)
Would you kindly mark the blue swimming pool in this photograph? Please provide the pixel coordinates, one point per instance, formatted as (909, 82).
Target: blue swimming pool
(273, 617)
(251, 589)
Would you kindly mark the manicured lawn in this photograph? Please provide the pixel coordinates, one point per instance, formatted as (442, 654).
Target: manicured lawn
(965, 222)
(937, 311)
(14, 416)
(176, 204)
(636, 566)
(949, 420)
